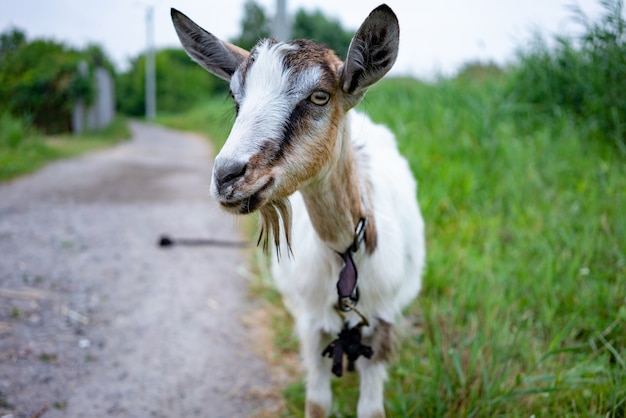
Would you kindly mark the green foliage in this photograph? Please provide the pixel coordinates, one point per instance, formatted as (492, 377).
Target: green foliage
(12, 131)
(584, 77)
(212, 117)
(10, 42)
(321, 29)
(306, 25)
(523, 305)
(40, 80)
(477, 71)
(97, 57)
(181, 84)
(27, 155)
(24, 150)
(254, 26)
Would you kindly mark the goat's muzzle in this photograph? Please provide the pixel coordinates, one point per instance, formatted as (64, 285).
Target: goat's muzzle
(226, 173)
(236, 189)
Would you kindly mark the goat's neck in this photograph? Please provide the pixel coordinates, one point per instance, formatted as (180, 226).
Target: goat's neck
(339, 197)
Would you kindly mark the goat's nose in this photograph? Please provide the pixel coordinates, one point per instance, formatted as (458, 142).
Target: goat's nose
(226, 172)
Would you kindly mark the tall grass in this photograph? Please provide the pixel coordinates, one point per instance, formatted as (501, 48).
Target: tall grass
(24, 150)
(20, 153)
(214, 118)
(582, 76)
(524, 299)
(523, 308)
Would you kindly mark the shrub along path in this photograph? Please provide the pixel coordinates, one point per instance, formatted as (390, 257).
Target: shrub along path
(95, 319)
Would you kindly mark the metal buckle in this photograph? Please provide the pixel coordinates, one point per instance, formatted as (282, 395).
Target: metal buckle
(345, 304)
(359, 233)
(348, 303)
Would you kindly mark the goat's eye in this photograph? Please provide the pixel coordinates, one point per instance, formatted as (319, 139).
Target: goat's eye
(320, 98)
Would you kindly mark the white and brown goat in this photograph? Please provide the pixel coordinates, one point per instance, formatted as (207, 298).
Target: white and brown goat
(303, 159)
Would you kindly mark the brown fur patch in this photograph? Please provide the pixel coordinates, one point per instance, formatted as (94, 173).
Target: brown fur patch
(314, 410)
(384, 342)
(310, 54)
(371, 234)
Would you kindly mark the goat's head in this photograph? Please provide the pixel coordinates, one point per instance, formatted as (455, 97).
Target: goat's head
(290, 100)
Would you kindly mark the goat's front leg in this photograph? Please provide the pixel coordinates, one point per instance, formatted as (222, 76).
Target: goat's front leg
(318, 373)
(373, 372)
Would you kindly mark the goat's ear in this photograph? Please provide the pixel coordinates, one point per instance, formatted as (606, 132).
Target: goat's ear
(372, 53)
(218, 57)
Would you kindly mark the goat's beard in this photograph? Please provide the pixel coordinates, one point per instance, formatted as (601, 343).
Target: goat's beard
(271, 215)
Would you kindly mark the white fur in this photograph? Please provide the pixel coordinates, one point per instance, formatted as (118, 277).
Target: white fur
(389, 276)
(267, 99)
(265, 103)
(389, 279)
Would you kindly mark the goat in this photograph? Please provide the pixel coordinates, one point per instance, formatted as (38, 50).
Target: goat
(334, 180)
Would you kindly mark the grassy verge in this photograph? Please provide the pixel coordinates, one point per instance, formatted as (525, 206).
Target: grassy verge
(212, 118)
(523, 308)
(23, 151)
(524, 300)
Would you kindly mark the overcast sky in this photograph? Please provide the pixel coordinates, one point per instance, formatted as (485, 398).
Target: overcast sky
(436, 35)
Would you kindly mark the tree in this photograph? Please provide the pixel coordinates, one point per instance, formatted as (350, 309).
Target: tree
(181, 83)
(314, 25)
(98, 58)
(321, 29)
(40, 80)
(254, 26)
(10, 42)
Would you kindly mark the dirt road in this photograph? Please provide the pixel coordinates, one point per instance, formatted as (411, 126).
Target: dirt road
(95, 319)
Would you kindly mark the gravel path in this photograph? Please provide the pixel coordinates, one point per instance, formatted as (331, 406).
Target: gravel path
(95, 319)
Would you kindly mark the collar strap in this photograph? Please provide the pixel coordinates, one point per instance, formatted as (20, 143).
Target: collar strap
(347, 290)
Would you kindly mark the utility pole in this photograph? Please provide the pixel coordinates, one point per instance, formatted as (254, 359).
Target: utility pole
(280, 28)
(150, 66)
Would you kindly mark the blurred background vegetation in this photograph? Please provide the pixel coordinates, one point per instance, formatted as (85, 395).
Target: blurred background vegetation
(580, 77)
(40, 81)
(522, 173)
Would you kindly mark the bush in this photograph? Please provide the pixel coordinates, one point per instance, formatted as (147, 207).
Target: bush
(180, 84)
(41, 79)
(584, 77)
(255, 25)
(12, 131)
(321, 29)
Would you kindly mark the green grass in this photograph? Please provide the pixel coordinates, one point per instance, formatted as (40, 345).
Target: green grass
(23, 150)
(523, 304)
(524, 299)
(213, 118)
(583, 75)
